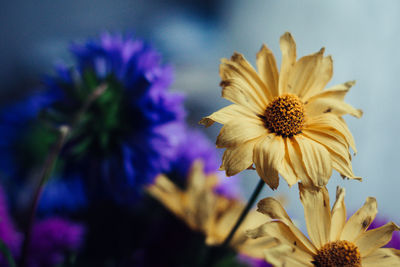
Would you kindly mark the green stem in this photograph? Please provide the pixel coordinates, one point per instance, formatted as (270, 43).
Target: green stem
(244, 213)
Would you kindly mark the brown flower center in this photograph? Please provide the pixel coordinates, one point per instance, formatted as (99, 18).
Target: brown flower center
(285, 115)
(339, 253)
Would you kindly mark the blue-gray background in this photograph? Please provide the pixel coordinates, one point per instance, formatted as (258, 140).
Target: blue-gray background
(362, 37)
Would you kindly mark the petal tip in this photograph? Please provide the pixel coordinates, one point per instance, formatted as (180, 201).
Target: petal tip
(207, 122)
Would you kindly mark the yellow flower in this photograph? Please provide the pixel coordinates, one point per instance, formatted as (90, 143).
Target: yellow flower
(334, 242)
(205, 211)
(284, 123)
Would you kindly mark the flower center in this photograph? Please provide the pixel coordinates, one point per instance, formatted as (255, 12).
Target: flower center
(338, 253)
(285, 115)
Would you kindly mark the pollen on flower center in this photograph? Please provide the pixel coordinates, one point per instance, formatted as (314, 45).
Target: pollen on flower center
(338, 253)
(285, 115)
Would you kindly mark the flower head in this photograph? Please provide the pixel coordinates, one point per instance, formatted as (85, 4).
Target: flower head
(206, 211)
(284, 122)
(123, 138)
(333, 240)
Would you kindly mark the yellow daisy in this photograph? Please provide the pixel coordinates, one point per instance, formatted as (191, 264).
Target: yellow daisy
(284, 123)
(208, 212)
(333, 241)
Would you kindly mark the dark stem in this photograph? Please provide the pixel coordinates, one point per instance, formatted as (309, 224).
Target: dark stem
(49, 165)
(44, 176)
(244, 213)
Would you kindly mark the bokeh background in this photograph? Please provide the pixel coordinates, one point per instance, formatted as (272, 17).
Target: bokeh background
(193, 35)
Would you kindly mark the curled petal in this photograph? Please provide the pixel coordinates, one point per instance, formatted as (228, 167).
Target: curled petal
(316, 160)
(387, 257)
(236, 159)
(268, 70)
(317, 214)
(338, 215)
(242, 85)
(371, 240)
(288, 48)
(268, 155)
(228, 113)
(237, 132)
(360, 221)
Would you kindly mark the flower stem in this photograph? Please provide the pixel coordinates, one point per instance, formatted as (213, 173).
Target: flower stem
(244, 213)
(44, 176)
(49, 164)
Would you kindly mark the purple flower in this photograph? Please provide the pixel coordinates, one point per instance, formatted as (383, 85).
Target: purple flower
(228, 187)
(52, 239)
(8, 233)
(194, 145)
(253, 262)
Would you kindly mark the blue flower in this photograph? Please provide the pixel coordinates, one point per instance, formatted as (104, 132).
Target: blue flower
(122, 141)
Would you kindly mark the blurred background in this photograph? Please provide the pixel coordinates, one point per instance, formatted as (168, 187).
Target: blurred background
(193, 35)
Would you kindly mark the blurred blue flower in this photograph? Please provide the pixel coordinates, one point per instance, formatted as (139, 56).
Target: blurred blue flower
(128, 134)
(61, 195)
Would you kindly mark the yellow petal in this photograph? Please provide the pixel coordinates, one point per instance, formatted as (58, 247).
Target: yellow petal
(284, 255)
(333, 124)
(296, 162)
(236, 159)
(316, 159)
(268, 155)
(168, 194)
(199, 190)
(360, 221)
(237, 132)
(387, 257)
(288, 48)
(279, 230)
(338, 215)
(340, 155)
(338, 149)
(274, 210)
(242, 85)
(337, 92)
(371, 240)
(228, 113)
(322, 77)
(325, 104)
(268, 70)
(317, 214)
(287, 171)
(306, 73)
(255, 248)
